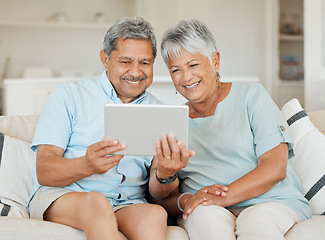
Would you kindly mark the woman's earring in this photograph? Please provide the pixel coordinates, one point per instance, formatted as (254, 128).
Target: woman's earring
(176, 91)
(218, 76)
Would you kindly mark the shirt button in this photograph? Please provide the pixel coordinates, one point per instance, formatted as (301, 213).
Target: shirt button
(282, 128)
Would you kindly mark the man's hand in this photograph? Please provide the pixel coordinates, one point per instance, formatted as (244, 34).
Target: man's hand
(97, 160)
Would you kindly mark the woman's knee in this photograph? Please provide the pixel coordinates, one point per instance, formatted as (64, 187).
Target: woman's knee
(267, 220)
(208, 213)
(207, 222)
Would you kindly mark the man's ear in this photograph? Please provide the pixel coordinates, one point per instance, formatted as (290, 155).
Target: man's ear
(103, 58)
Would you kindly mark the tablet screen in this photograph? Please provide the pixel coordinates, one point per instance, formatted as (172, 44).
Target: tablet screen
(140, 126)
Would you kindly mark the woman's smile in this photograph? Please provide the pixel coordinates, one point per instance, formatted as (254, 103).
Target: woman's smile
(193, 85)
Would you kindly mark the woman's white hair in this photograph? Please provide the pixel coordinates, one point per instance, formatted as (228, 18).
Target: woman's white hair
(191, 35)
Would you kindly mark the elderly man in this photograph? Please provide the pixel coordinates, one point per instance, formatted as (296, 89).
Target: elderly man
(79, 182)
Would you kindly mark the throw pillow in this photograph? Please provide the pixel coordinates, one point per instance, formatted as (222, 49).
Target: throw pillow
(309, 159)
(17, 161)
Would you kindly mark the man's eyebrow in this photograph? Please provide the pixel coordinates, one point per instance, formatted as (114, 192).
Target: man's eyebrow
(124, 58)
(146, 59)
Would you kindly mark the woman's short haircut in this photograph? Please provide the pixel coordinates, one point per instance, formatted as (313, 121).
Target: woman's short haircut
(191, 35)
(129, 28)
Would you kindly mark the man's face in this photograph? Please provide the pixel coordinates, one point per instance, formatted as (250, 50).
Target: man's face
(130, 68)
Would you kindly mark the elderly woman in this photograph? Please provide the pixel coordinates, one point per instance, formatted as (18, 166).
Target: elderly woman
(239, 184)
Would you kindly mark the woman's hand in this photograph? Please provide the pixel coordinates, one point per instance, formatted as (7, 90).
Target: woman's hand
(172, 156)
(210, 195)
(215, 189)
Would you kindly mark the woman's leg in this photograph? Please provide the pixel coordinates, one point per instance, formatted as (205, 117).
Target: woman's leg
(90, 212)
(142, 221)
(210, 223)
(267, 221)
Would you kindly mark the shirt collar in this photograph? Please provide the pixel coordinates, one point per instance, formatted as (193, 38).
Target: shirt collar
(111, 93)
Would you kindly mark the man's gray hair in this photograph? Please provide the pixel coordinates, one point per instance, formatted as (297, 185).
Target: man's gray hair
(191, 35)
(129, 28)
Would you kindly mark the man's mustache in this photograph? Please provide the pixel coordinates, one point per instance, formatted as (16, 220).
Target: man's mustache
(134, 78)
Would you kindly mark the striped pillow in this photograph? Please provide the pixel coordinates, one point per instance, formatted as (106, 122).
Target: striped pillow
(309, 159)
(17, 161)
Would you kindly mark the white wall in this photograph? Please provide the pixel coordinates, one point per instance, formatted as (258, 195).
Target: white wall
(238, 26)
(66, 50)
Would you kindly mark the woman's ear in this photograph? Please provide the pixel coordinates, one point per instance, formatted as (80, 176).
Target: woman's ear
(216, 61)
(103, 58)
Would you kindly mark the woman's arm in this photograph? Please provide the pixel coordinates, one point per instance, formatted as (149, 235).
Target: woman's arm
(171, 157)
(271, 169)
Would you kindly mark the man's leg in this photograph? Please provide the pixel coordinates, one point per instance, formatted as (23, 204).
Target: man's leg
(142, 221)
(90, 212)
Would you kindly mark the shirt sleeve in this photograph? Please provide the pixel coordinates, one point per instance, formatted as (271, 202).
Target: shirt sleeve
(55, 122)
(267, 123)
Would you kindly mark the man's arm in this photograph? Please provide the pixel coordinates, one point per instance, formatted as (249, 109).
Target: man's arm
(54, 170)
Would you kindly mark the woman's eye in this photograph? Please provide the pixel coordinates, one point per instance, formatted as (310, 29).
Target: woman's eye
(175, 71)
(193, 65)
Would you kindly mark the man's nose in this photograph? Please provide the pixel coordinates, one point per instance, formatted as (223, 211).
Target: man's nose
(135, 70)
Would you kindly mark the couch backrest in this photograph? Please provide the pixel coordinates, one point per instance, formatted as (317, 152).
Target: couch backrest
(21, 127)
(318, 119)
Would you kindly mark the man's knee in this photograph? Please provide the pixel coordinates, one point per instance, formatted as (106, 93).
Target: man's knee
(95, 203)
(156, 213)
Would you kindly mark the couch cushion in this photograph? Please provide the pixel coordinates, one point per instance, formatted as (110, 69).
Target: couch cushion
(309, 159)
(311, 229)
(31, 229)
(17, 161)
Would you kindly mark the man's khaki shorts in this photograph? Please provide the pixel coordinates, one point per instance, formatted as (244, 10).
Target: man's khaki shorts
(45, 196)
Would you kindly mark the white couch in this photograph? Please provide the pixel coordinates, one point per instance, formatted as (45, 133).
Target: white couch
(18, 160)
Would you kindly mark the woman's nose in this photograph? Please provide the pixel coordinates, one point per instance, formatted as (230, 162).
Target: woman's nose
(187, 76)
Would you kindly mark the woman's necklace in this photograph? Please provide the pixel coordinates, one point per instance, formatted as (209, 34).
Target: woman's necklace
(202, 116)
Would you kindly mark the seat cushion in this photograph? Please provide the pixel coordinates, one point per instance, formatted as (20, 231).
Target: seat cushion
(31, 229)
(311, 229)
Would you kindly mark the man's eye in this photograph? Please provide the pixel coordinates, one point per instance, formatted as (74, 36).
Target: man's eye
(194, 65)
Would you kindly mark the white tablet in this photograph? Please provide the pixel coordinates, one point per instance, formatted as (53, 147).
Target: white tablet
(140, 126)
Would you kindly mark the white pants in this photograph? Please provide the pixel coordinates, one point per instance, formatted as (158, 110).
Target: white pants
(266, 221)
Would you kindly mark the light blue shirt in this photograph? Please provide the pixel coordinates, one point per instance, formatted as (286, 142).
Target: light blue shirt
(245, 125)
(73, 119)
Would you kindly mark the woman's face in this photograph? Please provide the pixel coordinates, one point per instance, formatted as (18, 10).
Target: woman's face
(194, 75)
